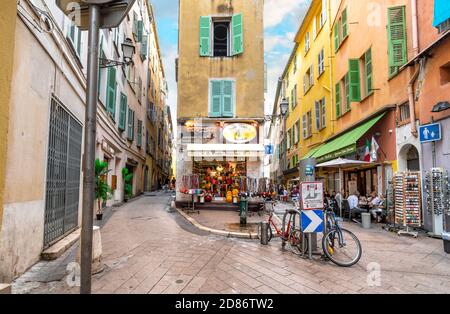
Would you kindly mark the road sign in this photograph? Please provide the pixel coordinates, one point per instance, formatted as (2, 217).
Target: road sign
(312, 195)
(309, 170)
(269, 149)
(312, 221)
(430, 132)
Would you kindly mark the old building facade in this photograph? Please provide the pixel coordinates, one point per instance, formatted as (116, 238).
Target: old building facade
(221, 102)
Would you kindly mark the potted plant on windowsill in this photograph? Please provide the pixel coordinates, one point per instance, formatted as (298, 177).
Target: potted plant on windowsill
(102, 189)
(127, 184)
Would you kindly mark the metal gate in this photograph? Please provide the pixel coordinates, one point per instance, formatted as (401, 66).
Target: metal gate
(63, 174)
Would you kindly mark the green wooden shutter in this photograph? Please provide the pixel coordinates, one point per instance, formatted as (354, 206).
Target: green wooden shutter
(99, 81)
(344, 24)
(338, 99)
(111, 91)
(216, 99)
(140, 30)
(144, 46)
(347, 91)
(227, 102)
(397, 36)
(79, 42)
(123, 112)
(336, 37)
(355, 80)
(238, 34)
(205, 33)
(130, 132)
(368, 67)
(139, 133)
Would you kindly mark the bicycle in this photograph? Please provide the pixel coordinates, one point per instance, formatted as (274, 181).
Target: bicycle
(291, 235)
(338, 243)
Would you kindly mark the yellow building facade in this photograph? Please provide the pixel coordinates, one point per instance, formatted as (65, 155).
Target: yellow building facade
(307, 85)
(8, 26)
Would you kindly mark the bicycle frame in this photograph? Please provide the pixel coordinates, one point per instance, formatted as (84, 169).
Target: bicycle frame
(330, 215)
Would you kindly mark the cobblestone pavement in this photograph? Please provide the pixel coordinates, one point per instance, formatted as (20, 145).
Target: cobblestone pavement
(147, 249)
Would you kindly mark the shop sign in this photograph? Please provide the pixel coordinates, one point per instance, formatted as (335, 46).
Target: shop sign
(309, 170)
(336, 154)
(239, 133)
(312, 195)
(269, 149)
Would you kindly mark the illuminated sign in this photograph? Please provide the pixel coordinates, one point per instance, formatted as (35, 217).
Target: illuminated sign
(239, 133)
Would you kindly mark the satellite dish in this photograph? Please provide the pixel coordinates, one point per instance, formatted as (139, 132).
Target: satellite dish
(112, 11)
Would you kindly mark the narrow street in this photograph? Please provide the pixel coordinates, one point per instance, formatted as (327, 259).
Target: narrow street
(147, 249)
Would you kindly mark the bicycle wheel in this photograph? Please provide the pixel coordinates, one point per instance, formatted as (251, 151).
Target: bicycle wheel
(269, 232)
(296, 242)
(342, 247)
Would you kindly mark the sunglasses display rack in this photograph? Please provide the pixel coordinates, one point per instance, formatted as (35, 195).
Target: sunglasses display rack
(407, 198)
(437, 196)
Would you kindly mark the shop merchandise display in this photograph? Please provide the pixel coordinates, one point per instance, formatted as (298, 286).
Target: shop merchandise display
(437, 188)
(407, 197)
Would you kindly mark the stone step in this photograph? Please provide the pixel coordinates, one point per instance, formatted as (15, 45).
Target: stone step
(58, 249)
(5, 288)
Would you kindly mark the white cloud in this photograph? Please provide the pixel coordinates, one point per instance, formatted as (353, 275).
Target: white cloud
(275, 11)
(275, 41)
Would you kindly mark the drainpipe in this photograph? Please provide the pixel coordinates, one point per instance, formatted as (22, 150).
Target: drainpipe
(415, 31)
(412, 110)
(415, 35)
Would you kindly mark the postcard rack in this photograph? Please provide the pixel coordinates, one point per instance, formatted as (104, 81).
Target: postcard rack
(407, 197)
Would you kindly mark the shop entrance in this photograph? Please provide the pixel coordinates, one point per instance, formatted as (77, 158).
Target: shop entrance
(412, 159)
(219, 177)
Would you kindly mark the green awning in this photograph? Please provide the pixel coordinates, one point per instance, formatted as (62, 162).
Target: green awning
(344, 144)
(311, 152)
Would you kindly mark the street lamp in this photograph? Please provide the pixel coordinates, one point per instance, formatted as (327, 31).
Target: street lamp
(128, 51)
(283, 111)
(441, 106)
(92, 15)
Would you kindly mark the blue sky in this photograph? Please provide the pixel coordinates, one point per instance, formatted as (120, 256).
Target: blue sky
(281, 21)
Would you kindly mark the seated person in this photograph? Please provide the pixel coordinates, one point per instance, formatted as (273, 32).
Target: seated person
(375, 206)
(353, 201)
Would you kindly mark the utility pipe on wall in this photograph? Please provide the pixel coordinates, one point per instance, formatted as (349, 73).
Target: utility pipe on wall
(415, 35)
(415, 31)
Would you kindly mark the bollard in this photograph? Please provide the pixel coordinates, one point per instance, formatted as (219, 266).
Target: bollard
(264, 232)
(365, 220)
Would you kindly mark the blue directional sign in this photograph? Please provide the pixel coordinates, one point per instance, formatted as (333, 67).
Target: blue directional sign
(430, 132)
(269, 149)
(312, 221)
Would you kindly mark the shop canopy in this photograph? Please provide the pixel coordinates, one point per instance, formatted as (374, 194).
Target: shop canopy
(342, 163)
(343, 145)
(226, 150)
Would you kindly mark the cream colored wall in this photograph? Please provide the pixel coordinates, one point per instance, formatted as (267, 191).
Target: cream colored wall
(247, 68)
(7, 25)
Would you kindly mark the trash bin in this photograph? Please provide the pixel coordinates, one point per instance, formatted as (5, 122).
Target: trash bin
(365, 219)
(446, 239)
(243, 208)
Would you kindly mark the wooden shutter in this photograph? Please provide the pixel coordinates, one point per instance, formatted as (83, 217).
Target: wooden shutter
(227, 102)
(123, 112)
(347, 91)
(338, 99)
(111, 92)
(238, 34)
(140, 30)
(130, 133)
(336, 37)
(99, 81)
(79, 42)
(139, 133)
(205, 33)
(344, 24)
(317, 112)
(355, 80)
(144, 46)
(323, 112)
(216, 99)
(368, 68)
(397, 36)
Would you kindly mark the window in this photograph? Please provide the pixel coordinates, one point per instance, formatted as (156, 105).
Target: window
(297, 132)
(221, 37)
(304, 126)
(222, 98)
(294, 161)
(144, 47)
(445, 74)
(288, 138)
(308, 79)
(404, 113)
(340, 31)
(323, 13)
(397, 39)
(307, 43)
(295, 64)
(337, 96)
(307, 125)
(123, 112)
(354, 80)
(443, 27)
(294, 96)
(368, 72)
(130, 132)
(347, 92)
(111, 87)
(74, 36)
(320, 111)
(321, 62)
(139, 133)
(314, 28)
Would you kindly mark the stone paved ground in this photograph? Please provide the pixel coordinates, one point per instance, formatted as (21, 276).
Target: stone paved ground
(146, 249)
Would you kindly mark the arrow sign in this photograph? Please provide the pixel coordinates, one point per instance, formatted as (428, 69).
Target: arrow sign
(312, 221)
